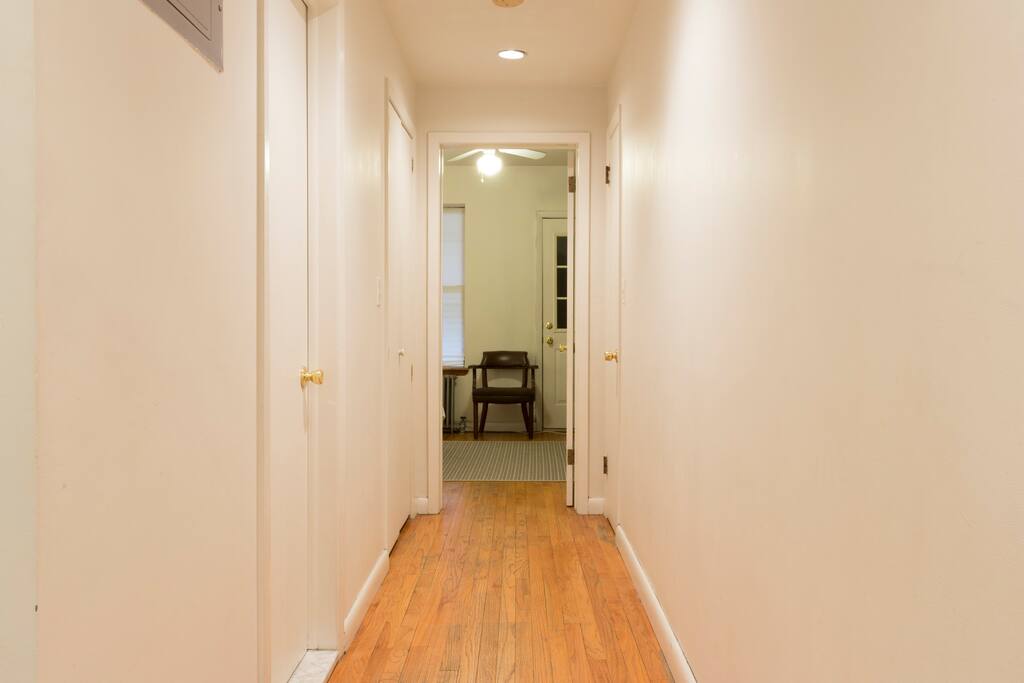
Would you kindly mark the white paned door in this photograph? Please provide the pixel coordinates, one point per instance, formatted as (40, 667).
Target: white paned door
(555, 325)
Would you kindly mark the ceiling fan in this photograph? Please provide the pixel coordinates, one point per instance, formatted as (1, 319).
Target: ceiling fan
(490, 163)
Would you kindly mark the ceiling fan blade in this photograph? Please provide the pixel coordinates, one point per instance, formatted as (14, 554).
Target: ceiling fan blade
(466, 154)
(528, 153)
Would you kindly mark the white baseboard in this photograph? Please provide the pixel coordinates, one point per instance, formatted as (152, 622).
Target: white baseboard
(595, 506)
(674, 655)
(419, 506)
(316, 667)
(365, 597)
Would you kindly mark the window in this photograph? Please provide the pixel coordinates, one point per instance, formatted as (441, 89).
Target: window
(561, 282)
(453, 230)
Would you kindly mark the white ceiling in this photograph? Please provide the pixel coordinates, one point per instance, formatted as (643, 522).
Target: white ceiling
(455, 42)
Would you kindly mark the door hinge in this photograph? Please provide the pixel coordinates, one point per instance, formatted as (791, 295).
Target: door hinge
(606, 464)
(572, 184)
(570, 455)
(607, 175)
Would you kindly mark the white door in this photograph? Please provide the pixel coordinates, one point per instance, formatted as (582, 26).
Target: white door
(398, 364)
(613, 295)
(555, 329)
(285, 489)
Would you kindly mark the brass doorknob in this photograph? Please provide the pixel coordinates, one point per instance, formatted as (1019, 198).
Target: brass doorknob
(562, 348)
(316, 377)
(611, 356)
(548, 326)
(549, 341)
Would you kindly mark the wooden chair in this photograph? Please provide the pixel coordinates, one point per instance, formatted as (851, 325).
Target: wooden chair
(525, 395)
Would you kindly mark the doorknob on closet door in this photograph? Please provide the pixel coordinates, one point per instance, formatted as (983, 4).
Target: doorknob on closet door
(562, 348)
(611, 356)
(316, 377)
(550, 341)
(548, 326)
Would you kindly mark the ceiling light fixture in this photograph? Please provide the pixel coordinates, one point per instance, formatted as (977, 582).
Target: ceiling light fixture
(508, 3)
(512, 54)
(489, 163)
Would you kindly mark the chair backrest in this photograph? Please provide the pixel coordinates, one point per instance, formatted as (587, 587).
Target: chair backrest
(504, 360)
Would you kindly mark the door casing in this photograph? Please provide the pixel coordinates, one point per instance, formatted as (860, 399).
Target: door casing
(577, 436)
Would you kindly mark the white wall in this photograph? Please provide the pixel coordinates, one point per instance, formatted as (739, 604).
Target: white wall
(502, 272)
(17, 347)
(823, 418)
(357, 53)
(147, 347)
(442, 109)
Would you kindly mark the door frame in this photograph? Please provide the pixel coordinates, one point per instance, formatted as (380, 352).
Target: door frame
(578, 142)
(539, 239)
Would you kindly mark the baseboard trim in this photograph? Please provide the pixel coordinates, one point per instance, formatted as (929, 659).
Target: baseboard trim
(420, 506)
(674, 655)
(364, 598)
(316, 667)
(595, 506)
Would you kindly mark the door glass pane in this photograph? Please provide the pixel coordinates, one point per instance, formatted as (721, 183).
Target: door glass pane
(562, 250)
(561, 314)
(563, 284)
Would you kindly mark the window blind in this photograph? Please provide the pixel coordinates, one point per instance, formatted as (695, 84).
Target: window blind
(453, 231)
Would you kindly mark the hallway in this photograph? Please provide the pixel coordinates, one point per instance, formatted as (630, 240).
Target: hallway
(506, 584)
(767, 255)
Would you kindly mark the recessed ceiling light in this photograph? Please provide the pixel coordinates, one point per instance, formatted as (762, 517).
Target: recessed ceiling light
(512, 54)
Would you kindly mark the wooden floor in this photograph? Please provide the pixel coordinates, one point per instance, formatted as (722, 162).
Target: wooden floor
(506, 585)
(506, 436)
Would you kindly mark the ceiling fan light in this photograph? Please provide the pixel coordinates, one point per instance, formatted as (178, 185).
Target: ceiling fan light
(512, 55)
(489, 164)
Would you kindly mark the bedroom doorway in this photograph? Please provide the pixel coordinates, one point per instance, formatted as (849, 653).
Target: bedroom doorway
(505, 318)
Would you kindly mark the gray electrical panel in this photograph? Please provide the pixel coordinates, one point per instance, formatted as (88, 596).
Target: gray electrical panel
(200, 22)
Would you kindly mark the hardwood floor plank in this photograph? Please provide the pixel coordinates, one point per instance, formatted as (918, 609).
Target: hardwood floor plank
(507, 584)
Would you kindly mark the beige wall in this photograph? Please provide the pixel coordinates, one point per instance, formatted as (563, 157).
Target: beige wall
(147, 347)
(821, 360)
(17, 347)
(502, 254)
(532, 110)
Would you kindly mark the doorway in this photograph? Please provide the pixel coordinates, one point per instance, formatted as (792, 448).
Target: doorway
(526, 354)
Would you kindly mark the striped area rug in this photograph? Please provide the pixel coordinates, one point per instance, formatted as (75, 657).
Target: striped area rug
(504, 461)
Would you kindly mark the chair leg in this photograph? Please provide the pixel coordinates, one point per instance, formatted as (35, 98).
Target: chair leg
(483, 418)
(476, 432)
(526, 419)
